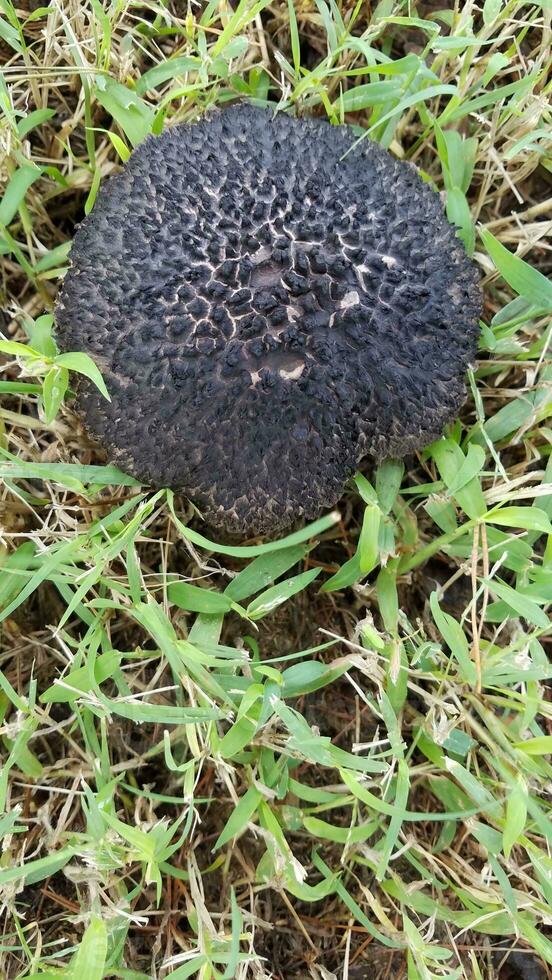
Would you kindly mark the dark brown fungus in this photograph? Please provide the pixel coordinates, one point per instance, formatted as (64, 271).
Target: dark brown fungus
(267, 308)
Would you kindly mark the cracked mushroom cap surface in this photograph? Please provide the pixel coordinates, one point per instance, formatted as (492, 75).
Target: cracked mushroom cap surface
(269, 300)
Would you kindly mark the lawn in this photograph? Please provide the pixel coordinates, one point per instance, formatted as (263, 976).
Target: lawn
(326, 755)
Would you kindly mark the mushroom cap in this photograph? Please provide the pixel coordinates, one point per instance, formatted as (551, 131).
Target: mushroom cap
(269, 300)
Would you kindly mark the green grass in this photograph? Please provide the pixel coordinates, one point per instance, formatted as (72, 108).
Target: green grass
(330, 754)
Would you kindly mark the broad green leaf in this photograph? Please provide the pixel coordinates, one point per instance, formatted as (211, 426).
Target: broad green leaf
(53, 258)
(397, 819)
(428, 26)
(354, 908)
(252, 551)
(457, 42)
(347, 575)
(83, 364)
(121, 147)
(540, 745)
(10, 35)
(133, 115)
(78, 681)
(457, 155)
(158, 714)
(268, 601)
(196, 599)
(365, 489)
(241, 732)
(372, 93)
(240, 816)
(24, 759)
(89, 962)
(340, 835)
(9, 822)
(13, 569)
(368, 540)
(37, 870)
(523, 278)
(264, 570)
(495, 64)
(318, 748)
(72, 475)
(39, 332)
(396, 674)
(35, 118)
(459, 214)
(238, 737)
(491, 10)
(514, 415)
(516, 816)
(19, 388)
(458, 742)
(388, 600)
(19, 350)
(469, 468)
(443, 512)
(243, 14)
(266, 872)
(389, 476)
(315, 794)
(194, 968)
(521, 604)
(528, 518)
(14, 195)
(450, 460)
(454, 636)
(460, 107)
(472, 785)
(424, 95)
(309, 676)
(53, 391)
(166, 71)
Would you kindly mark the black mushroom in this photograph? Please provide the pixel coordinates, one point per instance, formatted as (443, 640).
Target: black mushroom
(269, 300)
